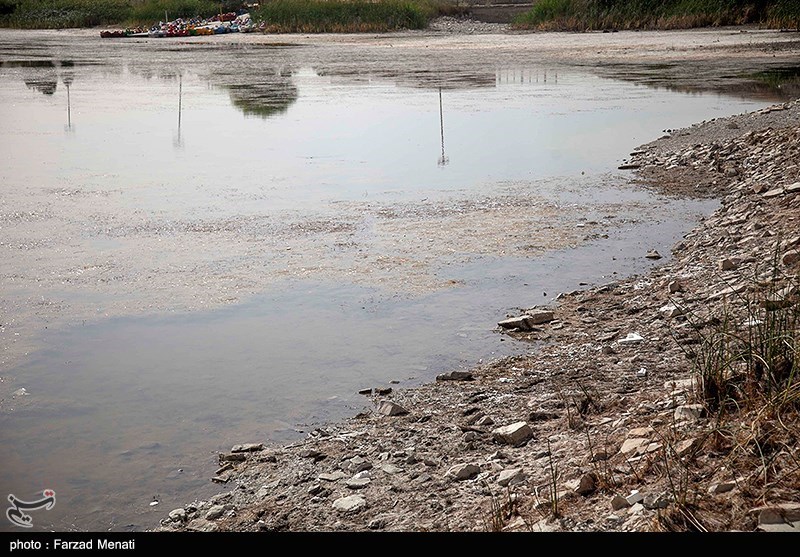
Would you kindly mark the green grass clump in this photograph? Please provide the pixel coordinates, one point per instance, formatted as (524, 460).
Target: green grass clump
(153, 10)
(751, 358)
(343, 16)
(591, 15)
(59, 14)
(51, 14)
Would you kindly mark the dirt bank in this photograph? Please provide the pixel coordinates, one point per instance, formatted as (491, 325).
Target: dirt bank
(597, 427)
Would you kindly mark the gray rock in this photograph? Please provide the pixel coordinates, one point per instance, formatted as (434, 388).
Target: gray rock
(774, 192)
(390, 468)
(455, 376)
(634, 497)
(357, 483)
(178, 515)
(653, 254)
(527, 321)
(587, 484)
(202, 525)
(377, 524)
(685, 446)
(674, 286)
(646, 431)
(781, 517)
(332, 477)
(315, 489)
(355, 464)
(791, 257)
(631, 338)
(540, 316)
(313, 454)
(232, 457)
(721, 487)
(634, 445)
(656, 501)
(484, 421)
(463, 472)
(350, 504)
(520, 322)
(729, 263)
(691, 412)
(513, 434)
(793, 188)
(736, 289)
(389, 408)
(619, 502)
(247, 448)
(215, 512)
(670, 310)
(510, 476)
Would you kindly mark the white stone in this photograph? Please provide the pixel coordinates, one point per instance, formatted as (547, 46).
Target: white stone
(510, 476)
(513, 434)
(631, 338)
(634, 497)
(389, 408)
(247, 448)
(463, 472)
(691, 412)
(350, 504)
(634, 444)
(178, 515)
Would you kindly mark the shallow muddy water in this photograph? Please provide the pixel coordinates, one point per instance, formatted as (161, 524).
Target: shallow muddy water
(207, 244)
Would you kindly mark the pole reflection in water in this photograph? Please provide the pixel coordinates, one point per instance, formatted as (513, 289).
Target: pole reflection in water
(443, 160)
(178, 141)
(69, 127)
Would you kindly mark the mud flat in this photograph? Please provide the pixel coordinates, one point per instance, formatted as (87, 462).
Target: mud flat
(597, 426)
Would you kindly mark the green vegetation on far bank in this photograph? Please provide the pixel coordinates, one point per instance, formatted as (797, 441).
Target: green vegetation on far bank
(59, 14)
(337, 16)
(308, 16)
(591, 15)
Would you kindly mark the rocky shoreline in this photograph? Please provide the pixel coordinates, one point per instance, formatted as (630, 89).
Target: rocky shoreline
(599, 426)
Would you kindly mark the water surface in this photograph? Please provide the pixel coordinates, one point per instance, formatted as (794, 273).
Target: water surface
(366, 227)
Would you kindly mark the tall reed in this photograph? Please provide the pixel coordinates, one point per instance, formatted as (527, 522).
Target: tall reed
(590, 15)
(336, 16)
(58, 14)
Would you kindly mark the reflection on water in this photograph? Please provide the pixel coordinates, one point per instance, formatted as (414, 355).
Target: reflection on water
(785, 80)
(267, 141)
(774, 84)
(443, 159)
(267, 94)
